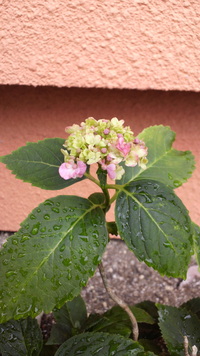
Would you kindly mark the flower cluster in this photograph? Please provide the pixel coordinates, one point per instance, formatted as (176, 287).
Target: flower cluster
(106, 142)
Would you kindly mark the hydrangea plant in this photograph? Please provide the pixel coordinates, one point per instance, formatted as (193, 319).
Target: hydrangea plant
(61, 242)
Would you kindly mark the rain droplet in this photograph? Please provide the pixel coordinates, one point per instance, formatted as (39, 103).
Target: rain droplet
(55, 210)
(38, 210)
(32, 217)
(24, 238)
(170, 176)
(15, 241)
(10, 274)
(49, 202)
(84, 238)
(84, 260)
(57, 227)
(46, 216)
(34, 230)
(96, 260)
(62, 248)
(67, 262)
(177, 183)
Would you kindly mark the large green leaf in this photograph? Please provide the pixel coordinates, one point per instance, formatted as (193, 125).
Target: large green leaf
(165, 164)
(102, 344)
(175, 324)
(155, 225)
(21, 338)
(38, 163)
(51, 257)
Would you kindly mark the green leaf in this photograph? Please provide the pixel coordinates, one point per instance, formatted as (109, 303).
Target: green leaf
(69, 321)
(165, 164)
(193, 305)
(155, 225)
(38, 163)
(175, 324)
(102, 344)
(196, 241)
(112, 228)
(116, 321)
(51, 257)
(20, 337)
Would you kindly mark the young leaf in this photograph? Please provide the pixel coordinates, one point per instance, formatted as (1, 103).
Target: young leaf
(101, 344)
(51, 257)
(175, 324)
(165, 164)
(116, 321)
(69, 321)
(38, 163)
(155, 225)
(20, 337)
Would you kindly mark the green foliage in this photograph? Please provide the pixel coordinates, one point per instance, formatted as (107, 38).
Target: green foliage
(102, 344)
(175, 324)
(38, 163)
(162, 236)
(70, 319)
(21, 338)
(58, 247)
(116, 321)
(165, 164)
(56, 250)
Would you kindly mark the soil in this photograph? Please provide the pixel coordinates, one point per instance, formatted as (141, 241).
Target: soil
(132, 280)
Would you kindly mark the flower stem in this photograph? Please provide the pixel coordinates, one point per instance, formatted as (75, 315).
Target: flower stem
(120, 302)
(90, 177)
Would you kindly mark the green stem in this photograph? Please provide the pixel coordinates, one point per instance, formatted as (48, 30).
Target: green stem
(113, 186)
(94, 180)
(120, 302)
(107, 197)
(113, 198)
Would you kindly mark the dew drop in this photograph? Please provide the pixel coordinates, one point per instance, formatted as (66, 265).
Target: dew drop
(96, 260)
(167, 244)
(5, 262)
(55, 210)
(177, 183)
(66, 262)
(69, 275)
(57, 227)
(46, 216)
(71, 237)
(43, 229)
(84, 238)
(170, 176)
(49, 202)
(20, 255)
(38, 210)
(10, 274)
(62, 248)
(15, 241)
(84, 260)
(32, 216)
(82, 283)
(34, 230)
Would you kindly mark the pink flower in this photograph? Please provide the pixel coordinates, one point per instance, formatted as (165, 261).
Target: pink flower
(73, 170)
(110, 168)
(122, 146)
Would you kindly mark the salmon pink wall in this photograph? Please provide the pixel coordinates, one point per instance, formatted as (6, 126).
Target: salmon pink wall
(31, 114)
(136, 44)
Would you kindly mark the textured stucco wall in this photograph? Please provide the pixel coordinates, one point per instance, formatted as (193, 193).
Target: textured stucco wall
(31, 114)
(115, 44)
